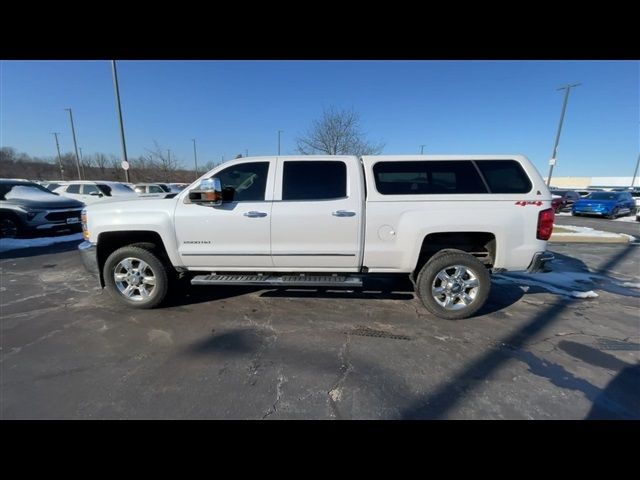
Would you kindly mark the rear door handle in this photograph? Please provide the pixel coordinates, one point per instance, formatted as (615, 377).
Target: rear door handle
(254, 214)
(343, 213)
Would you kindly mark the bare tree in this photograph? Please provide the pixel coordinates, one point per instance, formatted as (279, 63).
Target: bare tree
(337, 132)
(101, 161)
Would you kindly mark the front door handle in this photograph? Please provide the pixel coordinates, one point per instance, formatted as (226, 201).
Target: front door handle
(254, 214)
(343, 213)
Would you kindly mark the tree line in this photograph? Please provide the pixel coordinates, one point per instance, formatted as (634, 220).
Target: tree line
(154, 166)
(336, 132)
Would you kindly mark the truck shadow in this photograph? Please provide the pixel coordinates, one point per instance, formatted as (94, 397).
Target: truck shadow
(616, 400)
(35, 251)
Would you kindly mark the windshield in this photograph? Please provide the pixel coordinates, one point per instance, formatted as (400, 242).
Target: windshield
(603, 196)
(27, 191)
(559, 192)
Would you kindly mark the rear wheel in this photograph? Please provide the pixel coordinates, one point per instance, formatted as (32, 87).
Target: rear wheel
(136, 277)
(453, 285)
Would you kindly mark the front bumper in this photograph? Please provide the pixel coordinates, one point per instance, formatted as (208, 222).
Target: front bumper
(89, 255)
(539, 261)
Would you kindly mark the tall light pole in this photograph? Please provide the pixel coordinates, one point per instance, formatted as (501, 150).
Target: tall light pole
(119, 108)
(55, 134)
(635, 172)
(246, 152)
(422, 149)
(75, 144)
(279, 132)
(82, 163)
(195, 155)
(567, 88)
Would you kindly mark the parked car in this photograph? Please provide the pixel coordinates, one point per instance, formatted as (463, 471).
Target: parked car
(563, 200)
(605, 204)
(90, 192)
(445, 222)
(153, 190)
(52, 185)
(177, 187)
(26, 207)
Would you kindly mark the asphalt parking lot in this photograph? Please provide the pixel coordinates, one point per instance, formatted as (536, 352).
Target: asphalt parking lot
(535, 352)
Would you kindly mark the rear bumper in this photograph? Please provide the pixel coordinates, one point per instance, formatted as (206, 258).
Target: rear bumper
(89, 255)
(539, 261)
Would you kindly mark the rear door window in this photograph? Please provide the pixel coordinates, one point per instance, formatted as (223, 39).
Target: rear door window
(314, 180)
(73, 188)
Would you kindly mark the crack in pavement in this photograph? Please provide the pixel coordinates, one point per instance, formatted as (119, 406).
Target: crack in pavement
(274, 408)
(346, 367)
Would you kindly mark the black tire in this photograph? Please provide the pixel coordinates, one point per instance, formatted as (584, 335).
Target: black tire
(157, 268)
(614, 214)
(447, 261)
(10, 227)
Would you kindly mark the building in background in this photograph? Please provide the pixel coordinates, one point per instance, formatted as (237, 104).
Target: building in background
(593, 182)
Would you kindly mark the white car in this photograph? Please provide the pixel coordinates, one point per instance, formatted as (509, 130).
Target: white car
(152, 190)
(95, 191)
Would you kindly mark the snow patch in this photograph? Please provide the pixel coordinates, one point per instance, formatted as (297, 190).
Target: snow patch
(587, 232)
(7, 244)
(630, 218)
(631, 285)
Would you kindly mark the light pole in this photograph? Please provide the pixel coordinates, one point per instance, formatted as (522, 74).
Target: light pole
(422, 149)
(635, 172)
(82, 163)
(119, 109)
(246, 152)
(75, 144)
(567, 88)
(55, 134)
(279, 132)
(195, 155)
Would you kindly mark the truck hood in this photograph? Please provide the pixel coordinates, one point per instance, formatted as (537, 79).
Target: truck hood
(50, 203)
(117, 205)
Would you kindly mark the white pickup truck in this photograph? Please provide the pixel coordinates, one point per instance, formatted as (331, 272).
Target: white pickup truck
(329, 221)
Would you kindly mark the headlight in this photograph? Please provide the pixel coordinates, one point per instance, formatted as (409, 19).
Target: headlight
(83, 220)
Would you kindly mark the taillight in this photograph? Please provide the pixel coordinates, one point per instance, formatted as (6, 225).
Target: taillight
(545, 224)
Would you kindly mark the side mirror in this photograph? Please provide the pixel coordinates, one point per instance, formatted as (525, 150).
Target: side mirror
(208, 193)
(95, 194)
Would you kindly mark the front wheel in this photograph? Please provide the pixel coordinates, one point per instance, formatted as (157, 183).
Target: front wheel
(453, 285)
(613, 215)
(10, 227)
(136, 277)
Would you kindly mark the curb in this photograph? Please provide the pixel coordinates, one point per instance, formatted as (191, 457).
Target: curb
(569, 238)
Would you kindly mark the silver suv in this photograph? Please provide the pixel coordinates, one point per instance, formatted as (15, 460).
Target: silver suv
(26, 207)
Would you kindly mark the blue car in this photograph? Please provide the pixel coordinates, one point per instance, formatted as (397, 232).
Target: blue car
(605, 204)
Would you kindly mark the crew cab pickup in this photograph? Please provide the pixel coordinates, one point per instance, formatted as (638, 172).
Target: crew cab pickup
(330, 221)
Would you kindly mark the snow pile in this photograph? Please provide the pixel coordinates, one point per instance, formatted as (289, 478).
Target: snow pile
(7, 244)
(551, 282)
(587, 232)
(630, 218)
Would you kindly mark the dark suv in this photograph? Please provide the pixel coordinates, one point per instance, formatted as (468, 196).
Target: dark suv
(26, 207)
(566, 200)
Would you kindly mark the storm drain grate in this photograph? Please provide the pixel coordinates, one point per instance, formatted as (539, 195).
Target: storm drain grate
(370, 332)
(604, 344)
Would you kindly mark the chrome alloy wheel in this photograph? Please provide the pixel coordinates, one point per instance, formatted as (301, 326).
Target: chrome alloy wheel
(455, 287)
(134, 278)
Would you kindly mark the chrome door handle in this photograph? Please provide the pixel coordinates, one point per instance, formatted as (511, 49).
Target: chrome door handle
(343, 213)
(254, 214)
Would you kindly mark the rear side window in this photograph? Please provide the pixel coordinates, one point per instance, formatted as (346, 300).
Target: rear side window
(321, 180)
(430, 177)
(505, 176)
(75, 188)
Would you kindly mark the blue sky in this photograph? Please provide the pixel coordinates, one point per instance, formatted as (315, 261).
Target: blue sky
(465, 107)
